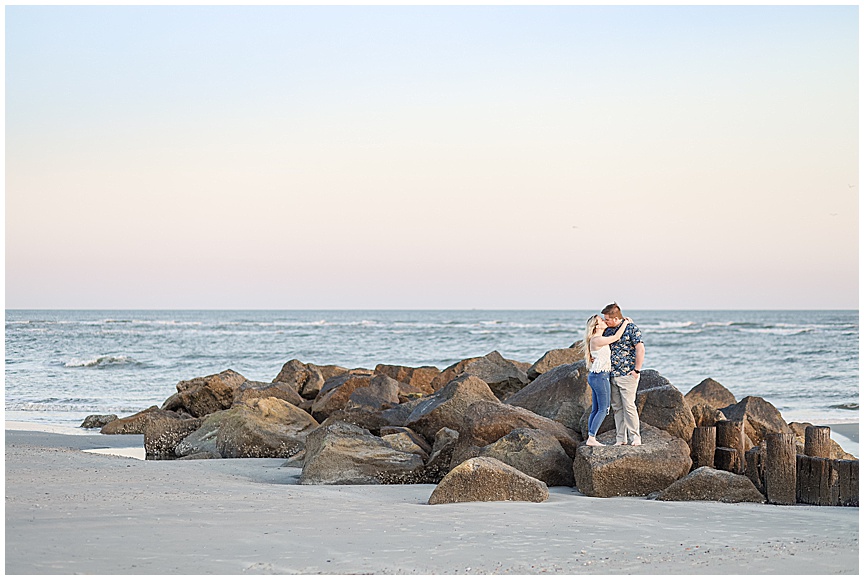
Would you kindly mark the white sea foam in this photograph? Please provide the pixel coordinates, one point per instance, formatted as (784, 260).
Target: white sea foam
(101, 361)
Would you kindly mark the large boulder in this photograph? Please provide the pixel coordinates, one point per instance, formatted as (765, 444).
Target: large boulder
(97, 421)
(304, 379)
(707, 484)
(267, 427)
(399, 414)
(759, 416)
(403, 442)
(486, 422)
(659, 404)
(503, 376)
(705, 415)
(419, 379)
(561, 394)
(626, 470)
(535, 453)
(447, 407)
(381, 393)
(712, 393)
(134, 424)
(162, 435)
(368, 419)
(257, 390)
(440, 459)
(341, 454)
(836, 451)
(556, 358)
(487, 479)
(204, 395)
(335, 393)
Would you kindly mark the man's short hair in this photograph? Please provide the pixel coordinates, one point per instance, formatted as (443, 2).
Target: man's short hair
(612, 310)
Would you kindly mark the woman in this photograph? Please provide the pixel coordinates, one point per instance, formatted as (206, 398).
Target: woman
(598, 358)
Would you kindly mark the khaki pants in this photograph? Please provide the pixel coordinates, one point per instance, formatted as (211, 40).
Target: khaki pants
(624, 407)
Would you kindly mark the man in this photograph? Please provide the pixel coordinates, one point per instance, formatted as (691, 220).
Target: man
(628, 354)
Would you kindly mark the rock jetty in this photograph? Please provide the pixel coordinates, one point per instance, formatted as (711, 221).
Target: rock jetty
(487, 429)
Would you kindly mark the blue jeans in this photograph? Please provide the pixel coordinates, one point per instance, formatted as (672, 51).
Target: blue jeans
(599, 383)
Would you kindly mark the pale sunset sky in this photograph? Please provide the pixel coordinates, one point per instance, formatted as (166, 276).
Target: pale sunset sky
(488, 157)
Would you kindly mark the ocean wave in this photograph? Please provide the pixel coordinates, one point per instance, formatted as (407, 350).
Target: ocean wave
(847, 406)
(779, 331)
(102, 361)
(88, 406)
(669, 324)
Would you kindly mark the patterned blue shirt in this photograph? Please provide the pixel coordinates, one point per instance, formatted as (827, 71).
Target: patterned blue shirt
(624, 349)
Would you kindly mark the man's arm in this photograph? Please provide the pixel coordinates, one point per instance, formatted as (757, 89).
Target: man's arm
(640, 355)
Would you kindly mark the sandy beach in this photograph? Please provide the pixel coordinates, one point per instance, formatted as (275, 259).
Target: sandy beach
(69, 511)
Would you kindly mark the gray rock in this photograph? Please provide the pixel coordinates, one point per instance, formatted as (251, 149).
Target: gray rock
(440, 459)
(341, 453)
(335, 393)
(447, 407)
(705, 415)
(418, 379)
(403, 442)
(381, 393)
(487, 479)
(486, 422)
(267, 427)
(162, 435)
(712, 393)
(97, 421)
(503, 376)
(134, 424)
(304, 379)
(556, 358)
(535, 453)
(257, 390)
(561, 394)
(759, 416)
(625, 470)
(707, 484)
(204, 395)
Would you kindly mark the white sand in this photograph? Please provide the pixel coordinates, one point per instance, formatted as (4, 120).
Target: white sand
(74, 512)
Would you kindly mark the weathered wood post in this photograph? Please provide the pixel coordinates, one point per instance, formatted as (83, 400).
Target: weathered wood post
(730, 434)
(817, 481)
(727, 459)
(817, 441)
(753, 468)
(702, 446)
(779, 465)
(847, 482)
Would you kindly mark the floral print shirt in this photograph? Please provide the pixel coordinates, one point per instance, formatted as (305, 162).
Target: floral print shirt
(624, 349)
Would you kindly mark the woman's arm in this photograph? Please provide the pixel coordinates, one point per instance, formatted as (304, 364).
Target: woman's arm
(599, 341)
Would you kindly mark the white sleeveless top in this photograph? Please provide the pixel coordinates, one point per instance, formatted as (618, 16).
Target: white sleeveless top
(602, 360)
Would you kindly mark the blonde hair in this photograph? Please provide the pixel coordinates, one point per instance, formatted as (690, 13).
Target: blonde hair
(590, 329)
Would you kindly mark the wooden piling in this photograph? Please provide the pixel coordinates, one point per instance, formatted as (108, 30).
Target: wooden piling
(817, 441)
(753, 468)
(779, 465)
(727, 459)
(817, 481)
(730, 434)
(702, 446)
(847, 482)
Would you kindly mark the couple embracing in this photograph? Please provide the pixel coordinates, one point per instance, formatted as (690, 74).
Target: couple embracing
(614, 353)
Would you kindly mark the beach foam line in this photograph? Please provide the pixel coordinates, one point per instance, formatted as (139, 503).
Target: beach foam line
(133, 452)
(44, 428)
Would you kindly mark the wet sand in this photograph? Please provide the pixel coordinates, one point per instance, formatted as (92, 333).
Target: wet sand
(68, 511)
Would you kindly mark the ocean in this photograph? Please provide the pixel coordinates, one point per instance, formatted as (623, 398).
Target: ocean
(64, 365)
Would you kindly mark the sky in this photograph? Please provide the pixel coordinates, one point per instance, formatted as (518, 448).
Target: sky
(441, 157)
